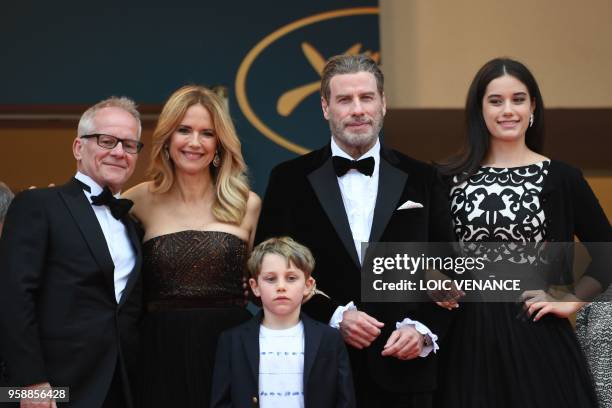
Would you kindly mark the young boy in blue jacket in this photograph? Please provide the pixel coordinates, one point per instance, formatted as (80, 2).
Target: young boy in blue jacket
(281, 357)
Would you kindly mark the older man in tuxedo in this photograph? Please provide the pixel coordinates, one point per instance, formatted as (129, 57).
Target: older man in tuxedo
(70, 286)
(350, 192)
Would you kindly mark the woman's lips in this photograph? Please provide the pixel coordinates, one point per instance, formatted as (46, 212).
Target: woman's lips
(192, 155)
(508, 124)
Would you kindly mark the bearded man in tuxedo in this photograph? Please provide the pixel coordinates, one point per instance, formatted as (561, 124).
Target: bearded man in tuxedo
(70, 287)
(355, 190)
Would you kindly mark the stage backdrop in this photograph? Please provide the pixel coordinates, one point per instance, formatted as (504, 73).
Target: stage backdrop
(56, 60)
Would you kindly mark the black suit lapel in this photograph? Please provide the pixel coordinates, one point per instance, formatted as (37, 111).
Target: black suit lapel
(391, 183)
(312, 340)
(250, 342)
(325, 185)
(136, 246)
(83, 214)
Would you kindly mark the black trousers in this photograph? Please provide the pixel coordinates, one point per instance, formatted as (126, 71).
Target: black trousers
(372, 396)
(116, 397)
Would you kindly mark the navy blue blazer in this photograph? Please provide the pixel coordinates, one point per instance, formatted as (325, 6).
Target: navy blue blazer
(328, 382)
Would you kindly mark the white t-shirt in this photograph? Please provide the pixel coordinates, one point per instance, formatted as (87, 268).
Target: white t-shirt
(281, 367)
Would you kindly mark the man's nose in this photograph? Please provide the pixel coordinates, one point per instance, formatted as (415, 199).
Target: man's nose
(118, 150)
(357, 108)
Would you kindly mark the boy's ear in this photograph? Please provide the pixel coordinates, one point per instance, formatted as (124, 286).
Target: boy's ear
(309, 286)
(254, 287)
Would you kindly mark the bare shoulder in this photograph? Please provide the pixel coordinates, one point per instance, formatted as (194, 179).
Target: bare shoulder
(142, 197)
(252, 211)
(139, 192)
(253, 204)
(252, 216)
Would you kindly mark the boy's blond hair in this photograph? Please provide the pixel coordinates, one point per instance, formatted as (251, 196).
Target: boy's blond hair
(286, 247)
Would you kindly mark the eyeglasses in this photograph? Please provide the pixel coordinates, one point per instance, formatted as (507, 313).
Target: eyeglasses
(109, 142)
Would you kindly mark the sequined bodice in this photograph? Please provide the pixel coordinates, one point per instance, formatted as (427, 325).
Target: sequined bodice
(199, 266)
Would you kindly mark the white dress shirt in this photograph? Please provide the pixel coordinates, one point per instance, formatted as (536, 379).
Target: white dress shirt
(359, 197)
(116, 236)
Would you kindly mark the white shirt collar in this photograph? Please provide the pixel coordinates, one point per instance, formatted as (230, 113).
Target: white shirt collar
(373, 152)
(95, 187)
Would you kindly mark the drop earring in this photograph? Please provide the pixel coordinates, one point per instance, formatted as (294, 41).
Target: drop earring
(531, 120)
(217, 159)
(166, 153)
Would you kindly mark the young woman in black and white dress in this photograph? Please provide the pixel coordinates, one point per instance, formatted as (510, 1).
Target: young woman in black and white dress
(525, 353)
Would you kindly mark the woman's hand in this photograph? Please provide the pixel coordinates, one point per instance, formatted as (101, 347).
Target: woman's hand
(445, 298)
(543, 303)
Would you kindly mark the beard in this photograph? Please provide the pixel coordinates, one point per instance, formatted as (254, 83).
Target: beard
(357, 139)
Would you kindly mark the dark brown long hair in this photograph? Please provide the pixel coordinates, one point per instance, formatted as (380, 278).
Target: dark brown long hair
(476, 145)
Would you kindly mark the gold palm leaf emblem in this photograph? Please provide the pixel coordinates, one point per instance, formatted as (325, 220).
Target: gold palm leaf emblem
(289, 100)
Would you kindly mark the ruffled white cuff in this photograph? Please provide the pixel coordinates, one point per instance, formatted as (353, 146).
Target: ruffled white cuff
(337, 316)
(424, 330)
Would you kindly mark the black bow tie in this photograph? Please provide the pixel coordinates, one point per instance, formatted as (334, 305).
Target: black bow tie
(118, 207)
(342, 165)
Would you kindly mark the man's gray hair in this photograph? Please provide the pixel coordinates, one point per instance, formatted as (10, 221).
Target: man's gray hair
(6, 196)
(350, 64)
(86, 123)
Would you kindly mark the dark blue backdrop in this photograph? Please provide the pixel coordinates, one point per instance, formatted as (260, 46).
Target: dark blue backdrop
(54, 54)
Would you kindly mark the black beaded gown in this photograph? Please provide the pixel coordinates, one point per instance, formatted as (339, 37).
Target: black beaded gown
(495, 356)
(193, 291)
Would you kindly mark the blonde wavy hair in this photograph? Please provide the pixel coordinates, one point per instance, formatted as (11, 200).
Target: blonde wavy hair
(231, 183)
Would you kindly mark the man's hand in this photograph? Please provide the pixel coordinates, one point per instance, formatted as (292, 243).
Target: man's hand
(38, 403)
(404, 343)
(359, 329)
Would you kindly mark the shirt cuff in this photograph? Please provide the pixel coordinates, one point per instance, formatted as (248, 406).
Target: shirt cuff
(336, 318)
(424, 330)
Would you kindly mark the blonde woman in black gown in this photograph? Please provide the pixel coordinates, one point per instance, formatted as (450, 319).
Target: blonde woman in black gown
(199, 220)
(521, 354)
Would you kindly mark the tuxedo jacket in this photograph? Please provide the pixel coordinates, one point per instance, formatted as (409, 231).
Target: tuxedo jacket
(327, 374)
(59, 318)
(303, 200)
